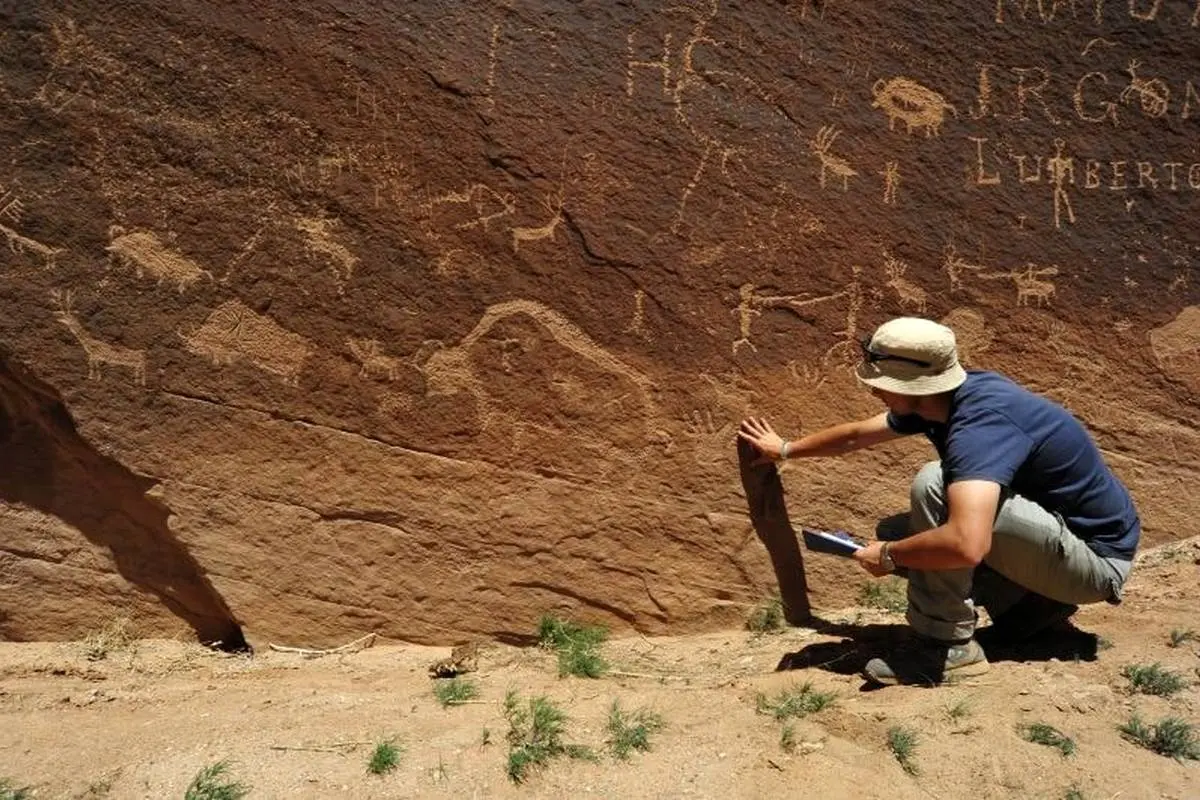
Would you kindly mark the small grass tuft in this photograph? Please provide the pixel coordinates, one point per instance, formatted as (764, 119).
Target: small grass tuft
(213, 783)
(903, 744)
(956, 712)
(577, 646)
(768, 617)
(1153, 679)
(384, 758)
(629, 732)
(798, 701)
(787, 738)
(1172, 737)
(116, 635)
(1182, 637)
(535, 735)
(10, 792)
(1041, 733)
(890, 594)
(1073, 793)
(455, 691)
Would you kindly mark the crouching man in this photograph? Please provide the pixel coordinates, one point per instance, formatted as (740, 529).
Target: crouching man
(1020, 514)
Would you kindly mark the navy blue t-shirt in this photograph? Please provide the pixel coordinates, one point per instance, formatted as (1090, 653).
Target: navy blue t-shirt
(1001, 432)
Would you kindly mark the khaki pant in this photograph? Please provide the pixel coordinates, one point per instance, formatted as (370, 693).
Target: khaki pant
(1032, 550)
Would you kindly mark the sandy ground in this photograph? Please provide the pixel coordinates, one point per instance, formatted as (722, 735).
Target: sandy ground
(144, 719)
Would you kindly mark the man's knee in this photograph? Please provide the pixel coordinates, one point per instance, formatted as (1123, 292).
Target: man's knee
(928, 491)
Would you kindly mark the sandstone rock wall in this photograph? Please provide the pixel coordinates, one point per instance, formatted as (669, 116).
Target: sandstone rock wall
(428, 318)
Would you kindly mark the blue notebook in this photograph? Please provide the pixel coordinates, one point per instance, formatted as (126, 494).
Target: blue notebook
(838, 543)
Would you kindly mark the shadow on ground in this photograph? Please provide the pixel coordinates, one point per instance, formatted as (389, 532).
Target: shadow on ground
(860, 643)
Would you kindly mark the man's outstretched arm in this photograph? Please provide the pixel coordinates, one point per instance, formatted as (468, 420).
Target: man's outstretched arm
(833, 441)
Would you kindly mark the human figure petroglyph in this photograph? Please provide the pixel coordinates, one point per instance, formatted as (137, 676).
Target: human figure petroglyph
(891, 182)
(1154, 95)
(955, 266)
(318, 238)
(819, 146)
(98, 352)
(1062, 172)
(638, 323)
(372, 360)
(750, 302)
(233, 330)
(915, 105)
(147, 255)
(746, 312)
(909, 293)
(20, 244)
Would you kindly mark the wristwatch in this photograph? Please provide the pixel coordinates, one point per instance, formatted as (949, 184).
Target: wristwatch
(885, 559)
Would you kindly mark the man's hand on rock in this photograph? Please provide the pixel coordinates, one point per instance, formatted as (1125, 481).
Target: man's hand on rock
(759, 433)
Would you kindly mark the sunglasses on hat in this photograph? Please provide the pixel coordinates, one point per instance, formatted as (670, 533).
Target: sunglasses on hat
(871, 356)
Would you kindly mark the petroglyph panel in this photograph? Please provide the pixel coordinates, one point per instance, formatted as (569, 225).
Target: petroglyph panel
(575, 242)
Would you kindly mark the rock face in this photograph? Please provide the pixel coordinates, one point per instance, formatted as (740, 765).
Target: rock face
(430, 318)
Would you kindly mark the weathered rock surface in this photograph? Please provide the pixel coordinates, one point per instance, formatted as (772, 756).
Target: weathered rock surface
(430, 318)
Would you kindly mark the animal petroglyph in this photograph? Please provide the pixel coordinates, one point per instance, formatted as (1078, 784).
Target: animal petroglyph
(1029, 284)
(539, 232)
(98, 352)
(830, 164)
(483, 204)
(21, 244)
(910, 294)
(1178, 338)
(147, 255)
(373, 361)
(913, 104)
(318, 239)
(1153, 95)
(448, 370)
(233, 330)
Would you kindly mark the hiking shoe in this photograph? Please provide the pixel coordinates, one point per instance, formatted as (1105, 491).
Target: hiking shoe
(928, 661)
(1031, 615)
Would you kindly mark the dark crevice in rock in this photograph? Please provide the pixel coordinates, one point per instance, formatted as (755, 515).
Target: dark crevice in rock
(51, 468)
(621, 613)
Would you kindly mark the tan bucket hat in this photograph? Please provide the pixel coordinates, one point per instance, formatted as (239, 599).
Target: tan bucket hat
(914, 356)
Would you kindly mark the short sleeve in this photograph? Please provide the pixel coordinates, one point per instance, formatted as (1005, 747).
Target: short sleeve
(906, 424)
(985, 446)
